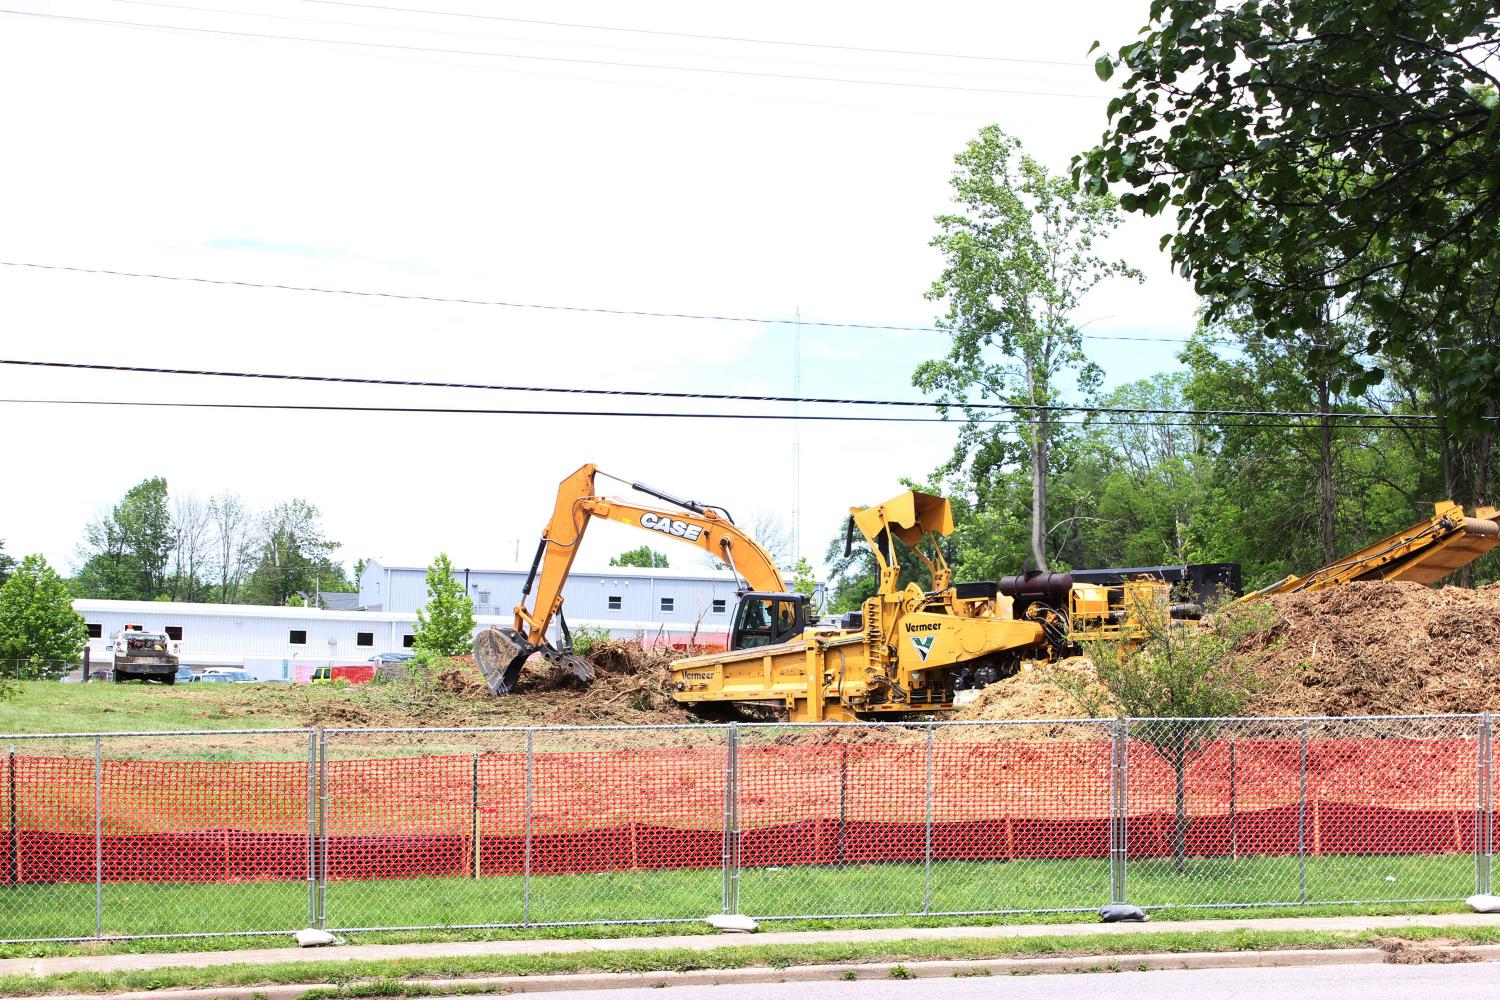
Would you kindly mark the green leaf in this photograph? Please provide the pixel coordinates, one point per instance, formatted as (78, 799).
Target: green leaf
(1104, 67)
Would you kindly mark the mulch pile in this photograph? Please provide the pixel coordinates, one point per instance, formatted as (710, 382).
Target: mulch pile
(1365, 649)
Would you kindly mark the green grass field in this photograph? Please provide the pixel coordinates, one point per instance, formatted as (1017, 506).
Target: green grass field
(48, 911)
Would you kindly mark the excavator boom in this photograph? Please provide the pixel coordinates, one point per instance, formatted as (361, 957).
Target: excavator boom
(500, 653)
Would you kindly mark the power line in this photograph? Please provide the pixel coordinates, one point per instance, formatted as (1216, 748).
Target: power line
(619, 64)
(546, 307)
(651, 414)
(701, 37)
(569, 44)
(715, 396)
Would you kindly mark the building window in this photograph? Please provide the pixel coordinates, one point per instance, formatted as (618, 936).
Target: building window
(364, 638)
(668, 605)
(408, 641)
(96, 631)
(720, 606)
(615, 602)
(298, 637)
(174, 632)
(484, 597)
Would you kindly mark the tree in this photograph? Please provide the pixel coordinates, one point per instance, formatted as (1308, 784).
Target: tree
(126, 552)
(233, 556)
(445, 627)
(191, 523)
(294, 556)
(38, 627)
(7, 564)
(644, 557)
(1019, 259)
(803, 581)
(1177, 682)
(1325, 154)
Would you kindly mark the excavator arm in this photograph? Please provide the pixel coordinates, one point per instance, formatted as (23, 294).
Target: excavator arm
(500, 653)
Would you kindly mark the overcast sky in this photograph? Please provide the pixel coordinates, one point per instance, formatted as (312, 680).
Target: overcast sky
(403, 166)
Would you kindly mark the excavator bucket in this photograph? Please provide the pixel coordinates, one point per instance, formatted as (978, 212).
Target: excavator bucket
(501, 652)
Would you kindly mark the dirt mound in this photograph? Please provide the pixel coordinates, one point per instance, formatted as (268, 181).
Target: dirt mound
(1377, 648)
(1382, 647)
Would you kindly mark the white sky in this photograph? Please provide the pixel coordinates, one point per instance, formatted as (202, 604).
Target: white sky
(483, 177)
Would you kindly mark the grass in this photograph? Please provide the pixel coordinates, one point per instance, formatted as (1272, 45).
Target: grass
(367, 978)
(49, 707)
(875, 890)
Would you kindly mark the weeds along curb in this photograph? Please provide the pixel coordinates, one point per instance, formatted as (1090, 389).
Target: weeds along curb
(1291, 958)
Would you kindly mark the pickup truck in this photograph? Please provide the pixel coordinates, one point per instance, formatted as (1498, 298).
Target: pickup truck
(145, 656)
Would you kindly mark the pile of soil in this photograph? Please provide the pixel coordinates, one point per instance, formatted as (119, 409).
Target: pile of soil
(1381, 648)
(1371, 648)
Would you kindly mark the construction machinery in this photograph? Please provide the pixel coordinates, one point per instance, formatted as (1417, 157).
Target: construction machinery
(901, 653)
(1086, 606)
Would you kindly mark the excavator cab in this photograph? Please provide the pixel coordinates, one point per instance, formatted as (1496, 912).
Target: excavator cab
(768, 619)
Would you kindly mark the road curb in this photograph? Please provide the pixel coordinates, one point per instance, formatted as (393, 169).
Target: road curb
(941, 969)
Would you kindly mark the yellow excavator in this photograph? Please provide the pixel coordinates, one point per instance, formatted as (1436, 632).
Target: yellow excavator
(901, 653)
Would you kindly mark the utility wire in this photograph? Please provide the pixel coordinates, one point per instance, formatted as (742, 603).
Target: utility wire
(392, 46)
(546, 307)
(719, 397)
(652, 414)
(712, 38)
(406, 29)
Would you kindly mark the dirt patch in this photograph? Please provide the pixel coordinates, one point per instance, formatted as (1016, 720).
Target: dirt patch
(1040, 691)
(1438, 951)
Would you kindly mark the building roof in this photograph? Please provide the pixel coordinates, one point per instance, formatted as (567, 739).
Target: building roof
(336, 601)
(157, 609)
(622, 572)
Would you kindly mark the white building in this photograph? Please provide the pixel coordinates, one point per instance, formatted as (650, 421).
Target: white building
(626, 600)
(653, 605)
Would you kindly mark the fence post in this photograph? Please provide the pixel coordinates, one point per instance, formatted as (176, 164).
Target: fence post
(927, 827)
(843, 802)
(14, 859)
(98, 841)
(312, 827)
(1484, 843)
(526, 860)
(474, 816)
(1118, 833)
(1302, 818)
(731, 820)
(322, 914)
(1234, 830)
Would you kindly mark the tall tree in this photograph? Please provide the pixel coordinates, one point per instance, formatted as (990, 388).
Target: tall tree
(7, 564)
(1019, 257)
(1330, 152)
(39, 630)
(233, 556)
(191, 526)
(126, 552)
(294, 556)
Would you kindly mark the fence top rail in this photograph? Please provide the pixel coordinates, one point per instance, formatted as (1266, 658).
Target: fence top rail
(705, 727)
(127, 733)
(719, 727)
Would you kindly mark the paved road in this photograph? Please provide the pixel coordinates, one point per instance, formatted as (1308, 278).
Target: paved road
(1475, 981)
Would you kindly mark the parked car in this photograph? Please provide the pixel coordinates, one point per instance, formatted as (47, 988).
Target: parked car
(184, 675)
(392, 657)
(225, 675)
(101, 674)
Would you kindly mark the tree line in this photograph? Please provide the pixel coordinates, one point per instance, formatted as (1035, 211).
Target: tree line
(157, 546)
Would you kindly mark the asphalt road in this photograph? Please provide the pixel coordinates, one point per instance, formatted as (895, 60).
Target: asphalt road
(1473, 981)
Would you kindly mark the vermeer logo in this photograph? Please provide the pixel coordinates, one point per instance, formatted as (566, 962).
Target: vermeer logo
(923, 644)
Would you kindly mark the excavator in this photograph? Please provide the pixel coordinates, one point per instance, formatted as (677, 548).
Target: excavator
(899, 654)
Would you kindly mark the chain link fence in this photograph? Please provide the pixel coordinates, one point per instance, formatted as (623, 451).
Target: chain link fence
(268, 831)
